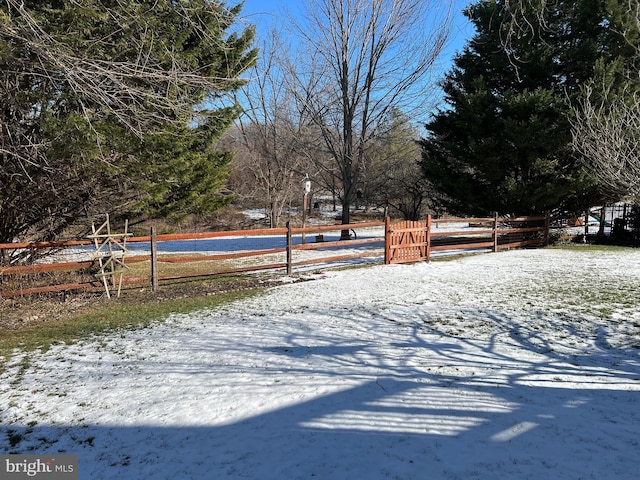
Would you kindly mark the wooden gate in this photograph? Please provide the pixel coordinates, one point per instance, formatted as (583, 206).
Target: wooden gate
(407, 241)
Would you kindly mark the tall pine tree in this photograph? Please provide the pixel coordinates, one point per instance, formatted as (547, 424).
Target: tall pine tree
(504, 141)
(114, 105)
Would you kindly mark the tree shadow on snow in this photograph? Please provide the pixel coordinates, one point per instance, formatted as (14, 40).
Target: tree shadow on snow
(431, 404)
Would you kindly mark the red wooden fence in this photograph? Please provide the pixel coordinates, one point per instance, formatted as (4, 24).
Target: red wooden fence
(288, 262)
(403, 242)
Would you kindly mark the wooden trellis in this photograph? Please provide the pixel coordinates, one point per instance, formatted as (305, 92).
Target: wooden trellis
(111, 249)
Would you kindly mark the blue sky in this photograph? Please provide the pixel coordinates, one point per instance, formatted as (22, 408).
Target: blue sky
(262, 12)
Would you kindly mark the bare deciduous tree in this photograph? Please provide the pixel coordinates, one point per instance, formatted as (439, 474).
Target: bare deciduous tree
(272, 130)
(358, 59)
(393, 177)
(606, 124)
(607, 134)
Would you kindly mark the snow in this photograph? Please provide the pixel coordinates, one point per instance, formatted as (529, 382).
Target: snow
(515, 365)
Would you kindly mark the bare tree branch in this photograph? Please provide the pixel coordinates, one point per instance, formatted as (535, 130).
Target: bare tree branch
(142, 91)
(86, 89)
(607, 134)
(272, 132)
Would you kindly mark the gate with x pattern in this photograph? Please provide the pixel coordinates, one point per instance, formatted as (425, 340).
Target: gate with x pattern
(407, 241)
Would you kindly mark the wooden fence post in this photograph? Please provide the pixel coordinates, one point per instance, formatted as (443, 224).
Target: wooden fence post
(547, 225)
(387, 240)
(428, 252)
(495, 231)
(154, 260)
(289, 250)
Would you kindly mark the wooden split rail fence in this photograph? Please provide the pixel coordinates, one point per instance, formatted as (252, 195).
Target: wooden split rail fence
(240, 260)
(400, 242)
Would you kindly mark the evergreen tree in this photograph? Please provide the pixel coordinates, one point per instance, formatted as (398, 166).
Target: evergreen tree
(504, 142)
(113, 105)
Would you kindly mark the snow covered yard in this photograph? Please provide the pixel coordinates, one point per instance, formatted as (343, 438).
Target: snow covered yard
(516, 365)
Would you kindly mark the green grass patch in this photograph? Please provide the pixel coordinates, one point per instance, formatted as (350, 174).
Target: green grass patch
(106, 319)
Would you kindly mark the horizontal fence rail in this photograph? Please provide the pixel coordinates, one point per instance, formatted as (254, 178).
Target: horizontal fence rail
(285, 252)
(154, 259)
